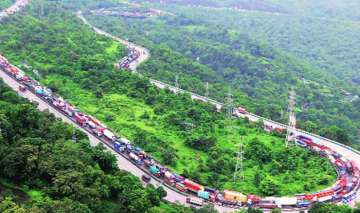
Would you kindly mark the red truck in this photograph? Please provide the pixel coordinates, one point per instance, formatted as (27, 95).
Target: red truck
(191, 186)
(80, 119)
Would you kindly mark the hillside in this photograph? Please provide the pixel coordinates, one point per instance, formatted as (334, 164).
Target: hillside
(260, 74)
(187, 136)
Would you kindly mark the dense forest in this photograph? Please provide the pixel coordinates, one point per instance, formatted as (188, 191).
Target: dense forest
(237, 55)
(185, 135)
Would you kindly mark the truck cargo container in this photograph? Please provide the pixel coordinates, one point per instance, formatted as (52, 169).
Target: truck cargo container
(194, 201)
(192, 186)
(203, 194)
(124, 140)
(285, 202)
(234, 196)
(109, 135)
(134, 157)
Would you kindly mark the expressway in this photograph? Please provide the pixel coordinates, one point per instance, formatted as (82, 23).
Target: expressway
(125, 164)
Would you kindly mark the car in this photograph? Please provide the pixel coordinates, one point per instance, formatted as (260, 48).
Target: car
(146, 178)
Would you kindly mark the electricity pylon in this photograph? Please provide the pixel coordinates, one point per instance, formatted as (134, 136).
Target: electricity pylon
(239, 169)
(292, 117)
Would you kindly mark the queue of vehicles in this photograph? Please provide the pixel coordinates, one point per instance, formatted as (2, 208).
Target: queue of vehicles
(125, 62)
(343, 191)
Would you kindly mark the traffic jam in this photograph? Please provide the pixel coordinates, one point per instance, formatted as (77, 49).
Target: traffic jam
(124, 63)
(343, 191)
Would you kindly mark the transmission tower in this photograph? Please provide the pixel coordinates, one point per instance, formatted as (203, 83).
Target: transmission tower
(229, 104)
(207, 89)
(239, 169)
(292, 117)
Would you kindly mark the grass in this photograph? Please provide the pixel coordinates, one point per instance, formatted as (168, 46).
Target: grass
(127, 121)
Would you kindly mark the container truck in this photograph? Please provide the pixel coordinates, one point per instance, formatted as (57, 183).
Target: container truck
(203, 194)
(135, 158)
(234, 196)
(286, 202)
(194, 201)
(109, 135)
(80, 119)
(192, 186)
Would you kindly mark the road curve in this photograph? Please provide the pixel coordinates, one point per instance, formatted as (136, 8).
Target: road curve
(144, 53)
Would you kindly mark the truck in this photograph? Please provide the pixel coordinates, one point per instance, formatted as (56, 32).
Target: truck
(99, 131)
(124, 140)
(168, 175)
(118, 147)
(154, 170)
(192, 186)
(80, 119)
(135, 158)
(194, 201)
(203, 194)
(234, 196)
(109, 135)
(241, 110)
(286, 202)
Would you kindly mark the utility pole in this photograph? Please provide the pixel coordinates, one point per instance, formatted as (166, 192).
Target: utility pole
(239, 169)
(229, 104)
(292, 117)
(207, 89)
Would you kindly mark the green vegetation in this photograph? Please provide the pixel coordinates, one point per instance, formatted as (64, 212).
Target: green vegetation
(187, 136)
(5, 4)
(238, 54)
(332, 208)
